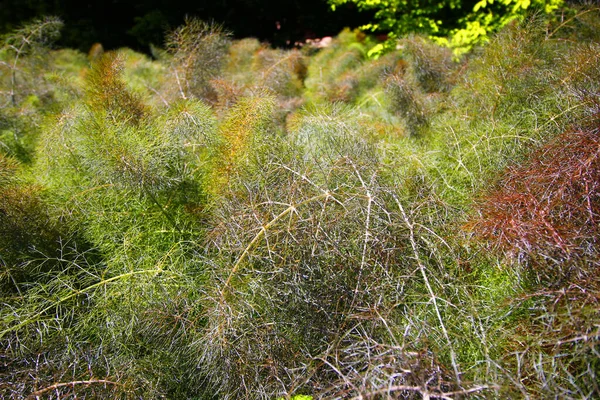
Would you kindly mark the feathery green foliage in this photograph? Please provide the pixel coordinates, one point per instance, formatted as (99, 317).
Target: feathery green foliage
(23, 53)
(24, 90)
(198, 50)
(255, 70)
(329, 76)
(235, 221)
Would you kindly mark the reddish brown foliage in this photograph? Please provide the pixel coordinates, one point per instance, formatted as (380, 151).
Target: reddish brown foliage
(108, 91)
(549, 206)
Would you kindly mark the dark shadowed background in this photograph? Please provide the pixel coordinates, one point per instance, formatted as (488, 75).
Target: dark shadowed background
(136, 24)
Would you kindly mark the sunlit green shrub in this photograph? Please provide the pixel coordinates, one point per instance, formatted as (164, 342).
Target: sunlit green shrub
(24, 57)
(512, 98)
(144, 76)
(253, 69)
(198, 50)
(331, 72)
(429, 65)
(310, 249)
(218, 241)
(459, 25)
(131, 184)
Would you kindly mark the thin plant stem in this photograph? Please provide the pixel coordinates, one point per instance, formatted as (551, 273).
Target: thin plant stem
(39, 392)
(433, 296)
(262, 232)
(85, 290)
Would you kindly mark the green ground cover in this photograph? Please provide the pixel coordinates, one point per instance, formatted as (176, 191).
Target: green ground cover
(228, 220)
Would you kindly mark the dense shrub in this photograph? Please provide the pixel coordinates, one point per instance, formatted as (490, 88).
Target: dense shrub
(236, 221)
(547, 207)
(198, 50)
(25, 93)
(321, 244)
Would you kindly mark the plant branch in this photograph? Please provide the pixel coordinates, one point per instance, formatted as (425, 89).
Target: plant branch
(262, 232)
(71, 384)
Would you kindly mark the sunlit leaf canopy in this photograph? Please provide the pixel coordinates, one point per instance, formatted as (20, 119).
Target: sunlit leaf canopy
(454, 23)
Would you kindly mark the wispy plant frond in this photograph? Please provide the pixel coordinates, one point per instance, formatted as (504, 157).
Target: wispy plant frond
(198, 52)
